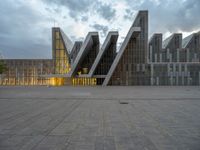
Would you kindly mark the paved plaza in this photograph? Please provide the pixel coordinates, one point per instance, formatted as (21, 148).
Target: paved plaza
(99, 118)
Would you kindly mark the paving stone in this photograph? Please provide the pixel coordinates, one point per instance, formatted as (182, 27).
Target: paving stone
(62, 118)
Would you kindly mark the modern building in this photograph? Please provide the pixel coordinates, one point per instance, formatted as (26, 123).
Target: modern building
(174, 61)
(27, 71)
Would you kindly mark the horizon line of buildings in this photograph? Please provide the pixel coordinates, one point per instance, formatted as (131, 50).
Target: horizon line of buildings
(174, 61)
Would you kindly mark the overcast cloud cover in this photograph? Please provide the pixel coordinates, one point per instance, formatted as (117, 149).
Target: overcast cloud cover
(25, 28)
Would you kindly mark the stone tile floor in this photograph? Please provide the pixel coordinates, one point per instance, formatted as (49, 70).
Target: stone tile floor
(100, 118)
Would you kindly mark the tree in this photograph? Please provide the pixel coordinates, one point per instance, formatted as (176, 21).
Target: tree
(2, 67)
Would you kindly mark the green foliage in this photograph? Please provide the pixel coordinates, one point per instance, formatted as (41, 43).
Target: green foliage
(2, 67)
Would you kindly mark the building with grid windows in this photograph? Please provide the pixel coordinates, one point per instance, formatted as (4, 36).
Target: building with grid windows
(174, 61)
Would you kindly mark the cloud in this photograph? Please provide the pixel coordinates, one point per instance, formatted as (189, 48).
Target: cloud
(129, 14)
(21, 34)
(106, 11)
(187, 16)
(84, 18)
(101, 28)
(169, 16)
(77, 8)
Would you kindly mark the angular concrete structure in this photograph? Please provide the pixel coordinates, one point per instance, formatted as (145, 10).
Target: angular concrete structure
(86, 55)
(105, 57)
(171, 47)
(191, 48)
(74, 52)
(133, 52)
(155, 48)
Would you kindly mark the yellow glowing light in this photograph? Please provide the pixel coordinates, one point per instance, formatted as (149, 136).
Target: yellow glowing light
(56, 81)
(84, 81)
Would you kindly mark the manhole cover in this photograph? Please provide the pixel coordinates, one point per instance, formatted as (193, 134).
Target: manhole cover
(123, 102)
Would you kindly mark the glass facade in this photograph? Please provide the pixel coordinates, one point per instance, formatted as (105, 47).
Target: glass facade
(26, 72)
(106, 60)
(60, 53)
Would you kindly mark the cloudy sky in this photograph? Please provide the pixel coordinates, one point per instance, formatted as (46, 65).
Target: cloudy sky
(25, 26)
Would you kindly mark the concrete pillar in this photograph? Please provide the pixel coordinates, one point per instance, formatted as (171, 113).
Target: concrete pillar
(143, 67)
(150, 55)
(178, 55)
(168, 74)
(171, 80)
(185, 68)
(168, 69)
(185, 72)
(174, 68)
(179, 74)
(188, 78)
(127, 79)
(155, 57)
(174, 73)
(157, 80)
(138, 67)
(152, 72)
(195, 57)
(177, 78)
(187, 55)
(160, 57)
(170, 57)
(168, 53)
(182, 76)
(179, 69)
